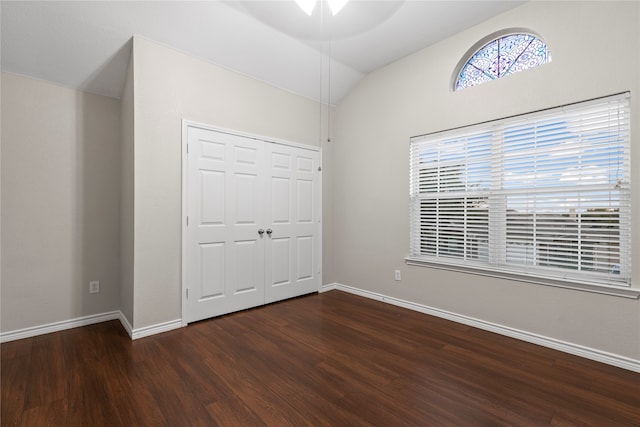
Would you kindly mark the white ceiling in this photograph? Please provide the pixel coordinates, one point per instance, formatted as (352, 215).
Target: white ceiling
(86, 44)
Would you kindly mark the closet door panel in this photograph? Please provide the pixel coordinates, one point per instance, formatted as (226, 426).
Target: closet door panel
(225, 200)
(292, 249)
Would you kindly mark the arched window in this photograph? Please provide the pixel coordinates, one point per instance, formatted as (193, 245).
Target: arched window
(500, 54)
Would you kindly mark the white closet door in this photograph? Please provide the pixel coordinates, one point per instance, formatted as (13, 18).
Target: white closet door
(225, 208)
(292, 210)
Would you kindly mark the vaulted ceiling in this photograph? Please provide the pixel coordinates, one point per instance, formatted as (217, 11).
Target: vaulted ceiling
(86, 44)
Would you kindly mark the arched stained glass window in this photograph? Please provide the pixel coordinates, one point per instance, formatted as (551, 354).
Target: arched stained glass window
(504, 55)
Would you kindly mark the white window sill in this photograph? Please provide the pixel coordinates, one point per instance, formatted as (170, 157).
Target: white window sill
(619, 291)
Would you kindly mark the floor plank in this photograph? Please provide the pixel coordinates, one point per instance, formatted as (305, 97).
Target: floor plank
(331, 359)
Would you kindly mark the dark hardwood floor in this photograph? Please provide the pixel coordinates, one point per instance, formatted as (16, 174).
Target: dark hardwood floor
(331, 359)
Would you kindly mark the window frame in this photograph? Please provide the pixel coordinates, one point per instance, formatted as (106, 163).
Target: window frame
(470, 53)
(574, 279)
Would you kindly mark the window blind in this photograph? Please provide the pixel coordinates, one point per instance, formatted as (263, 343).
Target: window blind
(545, 194)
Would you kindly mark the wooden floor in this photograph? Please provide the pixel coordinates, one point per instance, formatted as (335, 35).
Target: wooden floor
(331, 359)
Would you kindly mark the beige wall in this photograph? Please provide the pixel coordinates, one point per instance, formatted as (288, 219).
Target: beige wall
(60, 202)
(126, 195)
(171, 86)
(596, 52)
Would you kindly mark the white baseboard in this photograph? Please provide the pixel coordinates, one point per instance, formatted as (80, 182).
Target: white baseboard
(155, 329)
(328, 287)
(125, 324)
(567, 347)
(134, 334)
(90, 320)
(59, 326)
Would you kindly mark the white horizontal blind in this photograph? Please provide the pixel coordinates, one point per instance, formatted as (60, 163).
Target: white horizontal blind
(544, 194)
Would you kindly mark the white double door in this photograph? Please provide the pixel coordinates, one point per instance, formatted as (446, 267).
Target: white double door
(253, 223)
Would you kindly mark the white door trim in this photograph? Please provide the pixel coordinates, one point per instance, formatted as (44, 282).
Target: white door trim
(186, 124)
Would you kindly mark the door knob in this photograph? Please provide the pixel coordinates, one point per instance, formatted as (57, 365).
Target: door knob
(261, 232)
(269, 231)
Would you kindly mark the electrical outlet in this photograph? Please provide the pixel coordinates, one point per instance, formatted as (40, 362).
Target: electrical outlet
(398, 276)
(94, 287)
